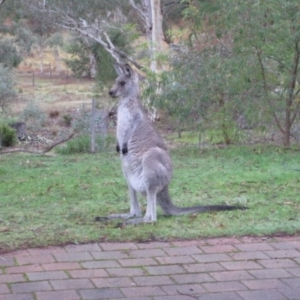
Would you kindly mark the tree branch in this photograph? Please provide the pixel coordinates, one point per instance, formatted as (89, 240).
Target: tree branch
(67, 21)
(297, 107)
(58, 143)
(37, 152)
(266, 91)
(141, 13)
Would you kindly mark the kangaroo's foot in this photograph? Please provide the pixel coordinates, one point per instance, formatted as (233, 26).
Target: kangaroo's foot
(135, 221)
(117, 216)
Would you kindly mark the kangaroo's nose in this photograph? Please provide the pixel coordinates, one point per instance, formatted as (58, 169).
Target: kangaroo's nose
(111, 93)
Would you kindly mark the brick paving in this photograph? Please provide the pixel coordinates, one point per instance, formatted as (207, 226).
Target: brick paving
(245, 268)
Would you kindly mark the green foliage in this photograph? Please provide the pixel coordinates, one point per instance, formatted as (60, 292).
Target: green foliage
(33, 116)
(9, 55)
(199, 92)
(67, 119)
(7, 91)
(82, 144)
(79, 61)
(8, 136)
(265, 42)
(219, 127)
(24, 37)
(82, 50)
(247, 58)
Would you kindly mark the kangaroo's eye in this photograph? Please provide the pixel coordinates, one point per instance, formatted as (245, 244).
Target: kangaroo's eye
(122, 83)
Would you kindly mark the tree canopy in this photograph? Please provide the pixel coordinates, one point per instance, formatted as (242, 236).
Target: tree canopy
(225, 59)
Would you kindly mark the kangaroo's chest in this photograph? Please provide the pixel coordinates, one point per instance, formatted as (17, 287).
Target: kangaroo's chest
(124, 122)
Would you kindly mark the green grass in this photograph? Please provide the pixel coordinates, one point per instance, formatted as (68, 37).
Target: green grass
(53, 200)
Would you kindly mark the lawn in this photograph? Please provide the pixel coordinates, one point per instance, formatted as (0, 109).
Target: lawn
(53, 200)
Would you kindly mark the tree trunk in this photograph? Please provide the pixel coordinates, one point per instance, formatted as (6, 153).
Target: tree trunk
(155, 45)
(57, 60)
(157, 33)
(42, 59)
(93, 65)
(291, 96)
(224, 126)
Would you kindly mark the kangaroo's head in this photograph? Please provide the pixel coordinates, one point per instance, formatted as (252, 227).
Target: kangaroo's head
(126, 83)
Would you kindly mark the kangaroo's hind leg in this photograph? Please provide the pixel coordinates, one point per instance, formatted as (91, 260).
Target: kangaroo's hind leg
(150, 215)
(135, 211)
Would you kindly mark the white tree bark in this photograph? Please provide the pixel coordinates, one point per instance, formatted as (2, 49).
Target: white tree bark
(57, 59)
(151, 17)
(41, 55)
(149, 12)
(93, 65)
(157, 33)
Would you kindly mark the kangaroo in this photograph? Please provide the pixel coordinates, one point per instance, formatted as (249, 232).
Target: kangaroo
(145, 159)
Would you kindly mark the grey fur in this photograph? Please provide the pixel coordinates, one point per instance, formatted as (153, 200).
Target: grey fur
(146, 162)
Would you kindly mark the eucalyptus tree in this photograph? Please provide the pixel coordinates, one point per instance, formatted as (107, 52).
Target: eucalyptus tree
(247, 56)
(264, 38)
(91, 19)
(9, 59)
(95, 20)
(267, 34)
(7, 90)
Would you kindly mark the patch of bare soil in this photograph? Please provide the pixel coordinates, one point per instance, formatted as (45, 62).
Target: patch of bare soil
(59, 99)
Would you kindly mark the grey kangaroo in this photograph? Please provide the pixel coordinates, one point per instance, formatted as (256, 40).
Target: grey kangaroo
(146, 162)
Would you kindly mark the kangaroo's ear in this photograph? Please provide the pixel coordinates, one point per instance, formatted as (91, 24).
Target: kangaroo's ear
(119, 69)
(127, 70)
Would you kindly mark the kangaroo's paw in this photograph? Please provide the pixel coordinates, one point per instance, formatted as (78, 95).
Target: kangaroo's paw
(135, 221)
(124, 149)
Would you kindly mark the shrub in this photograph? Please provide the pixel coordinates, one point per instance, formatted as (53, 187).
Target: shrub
(33, 116)
(7, 91)
(67, 119)
(8, 136)
(82, 144)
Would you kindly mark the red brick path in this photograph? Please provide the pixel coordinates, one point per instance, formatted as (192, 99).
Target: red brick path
(210, 269)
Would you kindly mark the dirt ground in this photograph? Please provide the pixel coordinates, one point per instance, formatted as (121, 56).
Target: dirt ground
(58, 97)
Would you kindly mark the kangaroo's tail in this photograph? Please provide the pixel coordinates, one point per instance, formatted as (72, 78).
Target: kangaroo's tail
(165, 202)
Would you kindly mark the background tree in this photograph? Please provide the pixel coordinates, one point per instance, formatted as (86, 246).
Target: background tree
(55, 42)
(269, 37)
(242, 60)
(7, 91)
(90, 59)
(92, 19)
(9, 59)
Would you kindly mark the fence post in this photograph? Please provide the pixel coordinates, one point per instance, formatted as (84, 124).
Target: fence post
(93, 125)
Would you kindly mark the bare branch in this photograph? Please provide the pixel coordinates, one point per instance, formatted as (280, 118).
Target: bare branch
(266, 91)
(144, 13)
(58, 143)
(37, 152)
(297, 107)
(117, 54)
(96, 33)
